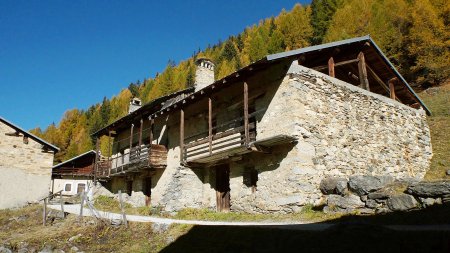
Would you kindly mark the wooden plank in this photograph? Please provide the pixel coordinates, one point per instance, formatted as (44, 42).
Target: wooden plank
(82, 204)
(61, 201)
(247, 136)
(131, 136)
(210, 125)
(44, 212)
(364, 81)
(109, 152)
(182, 135)
(124, 217)
(382, 84)
(331, 67)
(392, 87)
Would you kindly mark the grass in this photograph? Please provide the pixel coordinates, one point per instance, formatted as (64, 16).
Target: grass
(24, 225)
(438, 102)
(308, 213)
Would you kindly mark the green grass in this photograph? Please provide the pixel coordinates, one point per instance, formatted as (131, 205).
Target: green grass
(439, 104)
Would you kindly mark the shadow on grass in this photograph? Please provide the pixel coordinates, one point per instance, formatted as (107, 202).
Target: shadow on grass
(348, 234)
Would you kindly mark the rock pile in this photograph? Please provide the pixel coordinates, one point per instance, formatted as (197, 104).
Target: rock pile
(377, 194)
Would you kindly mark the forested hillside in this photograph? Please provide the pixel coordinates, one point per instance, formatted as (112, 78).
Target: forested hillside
(414, 34)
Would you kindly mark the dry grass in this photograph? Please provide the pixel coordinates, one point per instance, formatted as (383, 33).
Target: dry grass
(438, 100)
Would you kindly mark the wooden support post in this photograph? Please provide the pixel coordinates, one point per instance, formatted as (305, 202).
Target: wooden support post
(182, 135)
(331, 67)
(364, 82)
(109, 154)
(124, 217)
(61, 201)
(392, 87)
(210, 125)
(81, 205)
(140, 132)
(152, 122)
(44, 212)
(97, 157)
(247, 135)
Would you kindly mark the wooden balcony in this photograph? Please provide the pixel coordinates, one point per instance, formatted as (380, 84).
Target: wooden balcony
(227, 139)
(133, 160)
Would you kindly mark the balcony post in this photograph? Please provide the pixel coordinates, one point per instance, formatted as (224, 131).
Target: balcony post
(109, 154)
(152, 121)
(182, 135)
(210, 124)
(131, 140)
(247, 136)
(140, 138)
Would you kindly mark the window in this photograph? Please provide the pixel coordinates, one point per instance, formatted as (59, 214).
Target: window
(250, 177)
(81, 187)
(68, 187)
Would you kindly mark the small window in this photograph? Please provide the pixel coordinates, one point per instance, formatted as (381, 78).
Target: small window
(68, 187)
(25, 139)
(250, 178)
(81, 188)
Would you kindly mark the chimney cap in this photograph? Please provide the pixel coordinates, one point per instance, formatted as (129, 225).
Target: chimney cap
(200, 60)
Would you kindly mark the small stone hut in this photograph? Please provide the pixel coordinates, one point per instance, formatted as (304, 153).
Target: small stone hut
(261, 139)
(25, 166)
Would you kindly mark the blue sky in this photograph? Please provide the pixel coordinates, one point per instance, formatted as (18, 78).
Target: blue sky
(59, 55)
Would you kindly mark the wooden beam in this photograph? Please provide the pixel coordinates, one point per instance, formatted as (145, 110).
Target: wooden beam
(210, 125)
(182, 135)
(109, 153)
(364, 82)
(331, 67)
(247, 136)
(336, 64)
(391, 83)
(377, 78)
(152, 122)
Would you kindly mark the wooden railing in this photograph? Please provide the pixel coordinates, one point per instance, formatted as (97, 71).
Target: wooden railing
(226, 136)
(135, 158)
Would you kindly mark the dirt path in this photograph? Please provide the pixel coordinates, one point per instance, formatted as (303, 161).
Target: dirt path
(295, 225)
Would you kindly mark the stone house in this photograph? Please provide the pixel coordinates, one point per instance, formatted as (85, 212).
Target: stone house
(74, 175)
(25, 166)
(261, 139)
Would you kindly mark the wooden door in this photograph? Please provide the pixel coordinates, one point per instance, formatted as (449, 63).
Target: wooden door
(223, 188)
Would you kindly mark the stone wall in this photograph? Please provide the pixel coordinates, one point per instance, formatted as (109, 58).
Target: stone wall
(342, 130)
(25, 169)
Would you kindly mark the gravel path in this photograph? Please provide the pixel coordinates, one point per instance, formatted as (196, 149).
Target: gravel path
(296, 225)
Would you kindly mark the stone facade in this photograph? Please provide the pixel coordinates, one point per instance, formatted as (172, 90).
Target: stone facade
(25, 169)
(341, 130)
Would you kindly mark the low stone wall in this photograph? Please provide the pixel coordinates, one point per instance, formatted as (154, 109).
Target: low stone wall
(380, 194)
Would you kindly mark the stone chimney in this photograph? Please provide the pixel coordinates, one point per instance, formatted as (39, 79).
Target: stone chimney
(204, 74)
(135, 104)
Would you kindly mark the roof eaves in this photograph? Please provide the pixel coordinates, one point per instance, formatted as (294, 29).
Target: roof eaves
(32, 136)
(74, 158)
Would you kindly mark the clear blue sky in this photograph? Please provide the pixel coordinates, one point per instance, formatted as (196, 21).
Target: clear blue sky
(59, 55)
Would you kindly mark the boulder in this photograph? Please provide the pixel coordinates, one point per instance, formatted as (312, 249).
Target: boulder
(364, 184)
(381, 194)
(370, 203)
(430, 189)
(348, 202)
(5, 250)
(402, 202)
(426, 202)
(99, 190)
(137, 199)
(333, 185)
(447, 172)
